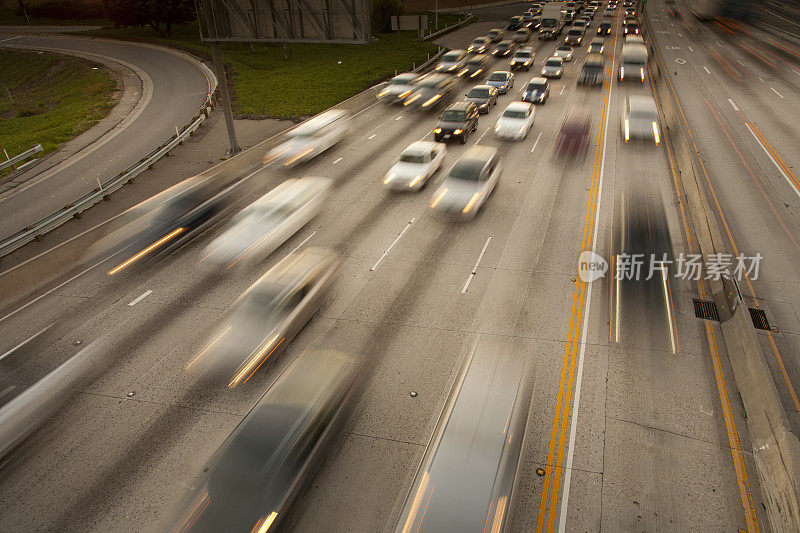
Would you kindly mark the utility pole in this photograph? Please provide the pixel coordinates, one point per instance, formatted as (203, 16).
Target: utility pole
(222, 81)
(437, 15)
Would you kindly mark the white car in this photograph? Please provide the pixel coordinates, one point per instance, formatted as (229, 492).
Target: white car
(469, 183)
(416, 165)
(261, 227)
(515, 122)
(452, 61)
(310, 138)
(398, 88)
(553, 67)
(640, 119)
(633, 38)
(564, 52)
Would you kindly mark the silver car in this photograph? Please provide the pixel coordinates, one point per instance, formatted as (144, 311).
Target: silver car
(398, 88)
(310, 138)
(470, 182)
(553, 67)
(515, 122)
(258, 229)
(417, 163)
(564, 52)
(640, 119)
(267, 316)
(452, 61)
(466, 480)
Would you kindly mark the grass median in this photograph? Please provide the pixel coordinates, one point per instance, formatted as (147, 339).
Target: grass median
(49, 99)
(277, 81)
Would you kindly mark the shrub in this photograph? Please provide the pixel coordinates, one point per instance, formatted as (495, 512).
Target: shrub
(66, 10)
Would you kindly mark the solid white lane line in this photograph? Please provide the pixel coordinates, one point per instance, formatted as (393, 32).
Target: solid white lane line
(12, 313)
(475, 268)
(776, 92)
(691, 49)
(562, 89)
(23, 343)
(368, 107)
(742, 64)
(718, 44)
(707, 71)
(399, 117)
(297, 247)
(579, 376)
(537, 142)
(372, 136)
(140, 298)
(337, 160)
(392, 245)
(11, 38)
(790, 182)
(733, 104)
(7, 390)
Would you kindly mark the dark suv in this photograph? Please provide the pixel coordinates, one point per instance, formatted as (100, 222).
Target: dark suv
(457, 122)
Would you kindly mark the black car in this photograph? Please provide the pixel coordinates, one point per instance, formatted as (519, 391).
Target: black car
(504, 48)
(484, 96)
(604, 29)
(457, 122)
(515, 23)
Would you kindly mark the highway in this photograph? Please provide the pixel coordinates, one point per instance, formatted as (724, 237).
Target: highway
(166, 91)
(634, 428)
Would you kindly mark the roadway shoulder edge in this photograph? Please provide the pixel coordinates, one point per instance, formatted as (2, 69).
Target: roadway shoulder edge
(775, 448)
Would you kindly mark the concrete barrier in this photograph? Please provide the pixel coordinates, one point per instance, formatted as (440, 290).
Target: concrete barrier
(776, 449)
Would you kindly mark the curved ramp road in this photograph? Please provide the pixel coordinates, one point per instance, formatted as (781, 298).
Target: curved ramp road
(172, 89)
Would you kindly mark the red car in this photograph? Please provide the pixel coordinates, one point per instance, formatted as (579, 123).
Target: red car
(573, 137)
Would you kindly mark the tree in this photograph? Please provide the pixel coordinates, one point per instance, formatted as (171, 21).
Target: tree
(151, 13)
(382, 13)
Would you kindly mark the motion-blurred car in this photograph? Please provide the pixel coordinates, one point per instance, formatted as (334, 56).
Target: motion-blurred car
(582, 24)
(479, 45)
(310, 138)
(633, 62)
(470, 182)
(522, 35)
(527, 17)
(522, 60)
(573, 137)
(640, 119)
(502, 80)
(515, 122)
(564, 52)
(170, 223)
(609, 12)
(630, 11)
(514, 23)
(592, 70)
(431, 91)
(631, 27)
(483, 96)
(574, 37)
(267, 316)
(457, 122)
(254, 477)
(453, 61)
(398, 88)
(258, 229)
(495, 35)
(605, 28)
(596, 46)
(466, 480)
(536, 91)
(553, 67)
(474, 66)
(535, 23)
(416, 165)
(504, 48)
(633, 38)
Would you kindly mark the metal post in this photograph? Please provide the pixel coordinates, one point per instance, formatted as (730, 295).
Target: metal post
(222, 81)
(437, 15)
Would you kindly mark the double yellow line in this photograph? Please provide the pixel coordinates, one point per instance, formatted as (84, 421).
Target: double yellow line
(552, 479)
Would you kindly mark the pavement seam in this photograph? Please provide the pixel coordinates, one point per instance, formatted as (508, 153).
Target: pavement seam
(387, 439)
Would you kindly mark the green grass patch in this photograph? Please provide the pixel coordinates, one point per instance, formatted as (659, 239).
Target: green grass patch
(267, 84)
(49, 99)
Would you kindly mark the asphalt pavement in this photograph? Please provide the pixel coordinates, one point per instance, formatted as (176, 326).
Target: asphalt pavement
(168, 90)
(632, 429)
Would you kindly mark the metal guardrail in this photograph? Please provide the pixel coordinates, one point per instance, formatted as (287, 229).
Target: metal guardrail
(73, 210)
(447, 29)
(429, 62)
(20, 157)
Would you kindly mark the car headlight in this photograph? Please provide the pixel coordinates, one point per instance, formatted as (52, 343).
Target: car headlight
(388, 178)
(622, 73)
(627, 131)
(641, 73)
(541, 96)
(415, 180)
(655, 133)
(404, 94)
(497, 127)
(525, 94)
(485, 105)
(544, 71)
(458, 132)
(437, 130)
